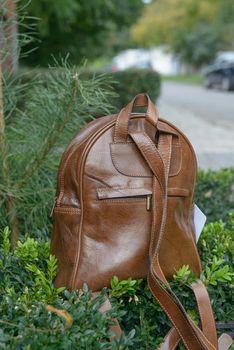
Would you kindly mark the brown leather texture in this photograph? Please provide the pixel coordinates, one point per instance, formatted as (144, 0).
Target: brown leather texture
(124, 207)
(101, 222)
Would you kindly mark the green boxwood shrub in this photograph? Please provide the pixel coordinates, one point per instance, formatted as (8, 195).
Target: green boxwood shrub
(134, 81)
(35, 315)
(214, 193)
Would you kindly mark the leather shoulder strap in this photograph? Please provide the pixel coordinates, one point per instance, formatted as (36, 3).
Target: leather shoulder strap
(191, 335)
(172, 339)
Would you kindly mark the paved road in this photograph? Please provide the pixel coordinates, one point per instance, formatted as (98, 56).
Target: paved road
(207, 118)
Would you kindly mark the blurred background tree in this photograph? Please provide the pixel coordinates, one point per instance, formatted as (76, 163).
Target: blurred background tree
(194, 29)
(8, 35)
(98, 29)
(39, 114)
(83, 28)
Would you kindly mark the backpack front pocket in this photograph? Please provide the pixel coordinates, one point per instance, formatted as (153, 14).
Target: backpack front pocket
(122, 194)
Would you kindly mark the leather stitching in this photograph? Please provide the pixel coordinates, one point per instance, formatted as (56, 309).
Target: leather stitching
(168, 314)
(123, 143)
(117, 125)
(203, 320)
(110, 189)
(61, 182)
(145, 156)
(124, 199)
(153, 228)
(69, 210)
(162, 228)
(184, 316)
(178, 145)
(164, 197)
(153, 145)
(128, 110)
(84, 154)
(168, 336)
(114, 161)
(119, 188)
(156, 257)
(116, 128)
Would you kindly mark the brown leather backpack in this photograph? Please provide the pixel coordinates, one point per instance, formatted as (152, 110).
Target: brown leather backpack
(124, 207)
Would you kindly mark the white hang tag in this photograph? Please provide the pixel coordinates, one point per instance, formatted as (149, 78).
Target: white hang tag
(199, 221)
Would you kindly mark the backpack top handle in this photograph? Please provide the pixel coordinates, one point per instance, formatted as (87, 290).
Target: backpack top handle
(121, 126)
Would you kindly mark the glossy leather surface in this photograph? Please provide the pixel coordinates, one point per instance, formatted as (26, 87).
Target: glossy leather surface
(111, 235)
(124, 207)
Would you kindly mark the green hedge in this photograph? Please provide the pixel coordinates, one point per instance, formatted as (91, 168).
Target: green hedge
(28, 321)
(128, 83)
(132, 82)
(214, 193)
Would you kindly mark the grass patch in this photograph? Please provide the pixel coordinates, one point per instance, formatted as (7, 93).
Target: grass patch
(190, 79)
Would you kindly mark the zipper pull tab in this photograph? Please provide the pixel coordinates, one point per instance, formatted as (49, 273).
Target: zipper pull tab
(52, 210)
(148, 202)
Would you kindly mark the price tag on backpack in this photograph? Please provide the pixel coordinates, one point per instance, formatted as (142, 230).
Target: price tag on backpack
(199, 221)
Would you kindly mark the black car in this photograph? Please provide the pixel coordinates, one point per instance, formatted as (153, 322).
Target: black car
(220, 75)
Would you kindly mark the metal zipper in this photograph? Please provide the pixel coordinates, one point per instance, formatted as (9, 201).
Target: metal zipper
(148, 202)
(147, 198)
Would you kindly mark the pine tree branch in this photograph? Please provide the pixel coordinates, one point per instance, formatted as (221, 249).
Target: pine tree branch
(50, 142)
(10, 200)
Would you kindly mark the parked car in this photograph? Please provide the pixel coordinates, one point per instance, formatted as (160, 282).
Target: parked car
(220, 74)
(132, 58)
(158, 59)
